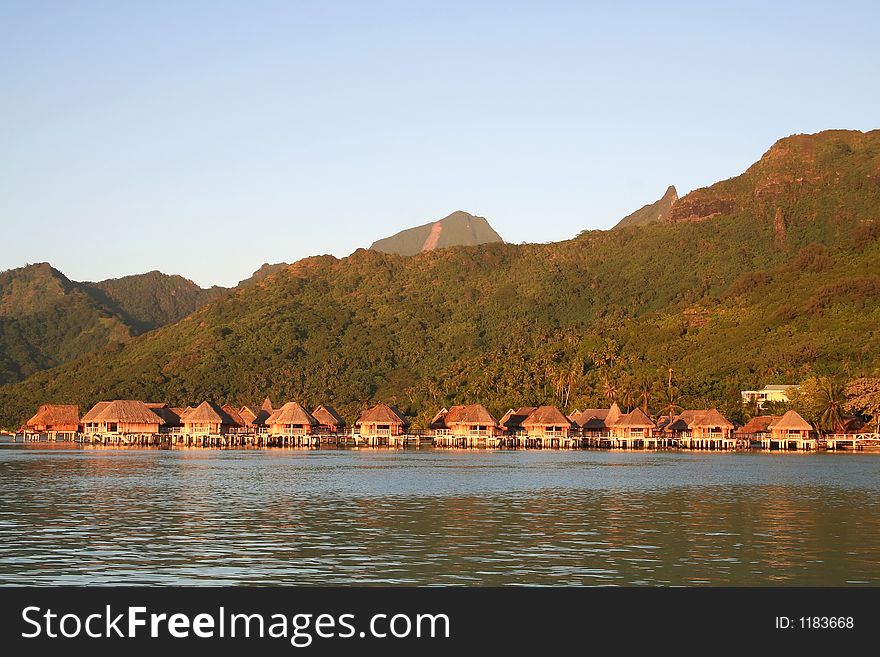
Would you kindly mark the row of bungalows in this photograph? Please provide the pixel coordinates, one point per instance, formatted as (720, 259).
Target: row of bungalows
(785, 432)
(612, 428)
(208, 424)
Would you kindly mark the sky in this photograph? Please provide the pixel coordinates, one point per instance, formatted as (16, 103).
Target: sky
(206, 138)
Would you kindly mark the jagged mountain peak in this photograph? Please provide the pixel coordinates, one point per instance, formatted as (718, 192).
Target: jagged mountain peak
(459, 228)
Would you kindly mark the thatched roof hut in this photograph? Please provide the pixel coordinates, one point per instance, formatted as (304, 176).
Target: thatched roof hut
(546, 416)
(122, 416)
(382, 419)
(267, 404)
(94, 412)
(291, 419)
(171, 418)
(254, 416)
(635, 419)
(461, 419)
(513, 419)
(759, 424)
(596, 420)
(208, 418)
(233, 414)
(328, 419)
(55, 418)
(791, 424)
(699, 421)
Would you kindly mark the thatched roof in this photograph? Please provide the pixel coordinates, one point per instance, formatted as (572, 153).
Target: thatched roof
(267, 404)
(254, 415)
(514, 418)
(468, 415)
(234, 414)
(172, 419)
(327, 415)
(95, 411)
(698, 418)
(383, 414)
(637, 419)
(208, 413)
(581, 417)
(292, 413)
(181, 411)
(791, 421)
(55, 414)
(759, 424)
(712, 418)
(127, 411)
(546, 416)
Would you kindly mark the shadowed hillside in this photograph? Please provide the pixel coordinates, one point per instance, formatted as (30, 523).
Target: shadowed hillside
(47, 319)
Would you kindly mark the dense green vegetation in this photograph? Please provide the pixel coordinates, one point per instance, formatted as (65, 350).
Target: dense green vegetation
(47, 319)
(153, 299)
(734, 301)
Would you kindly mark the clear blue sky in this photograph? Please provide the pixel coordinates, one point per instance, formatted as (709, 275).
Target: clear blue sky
(205, 138)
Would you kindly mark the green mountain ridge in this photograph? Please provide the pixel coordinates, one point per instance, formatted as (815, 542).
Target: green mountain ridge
(657, 211)
(456, 229)
(46, 319)
(769, 277)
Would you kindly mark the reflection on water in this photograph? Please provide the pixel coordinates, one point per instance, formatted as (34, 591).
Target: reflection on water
(138, 516)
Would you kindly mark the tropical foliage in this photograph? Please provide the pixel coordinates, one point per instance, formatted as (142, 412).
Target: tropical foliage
(779, 285)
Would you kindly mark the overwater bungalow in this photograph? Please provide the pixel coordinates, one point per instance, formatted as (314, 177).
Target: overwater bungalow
(254, 418)
(206, 419)
(464, 426)
(292, 425)
(54, 421)
(634, 430)
(511, 424)
(547, 426)
(329, 421)
(233, 413)
(701, 429)
(382, 425)
(757, 430)
(171, 417)
(119, 421)
(791, 431)
(594, 424)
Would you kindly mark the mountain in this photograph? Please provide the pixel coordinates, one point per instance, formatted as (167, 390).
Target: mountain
(457, 229)
(770, 277)
(154, 299)
(264, 272)
(46, 319)
(656, 211)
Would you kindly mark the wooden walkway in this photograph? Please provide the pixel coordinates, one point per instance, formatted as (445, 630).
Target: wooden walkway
(849, 442)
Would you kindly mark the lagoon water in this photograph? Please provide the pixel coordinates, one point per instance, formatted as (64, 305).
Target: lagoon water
(81, 515)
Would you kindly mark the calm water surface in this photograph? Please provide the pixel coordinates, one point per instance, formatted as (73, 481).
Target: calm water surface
(71, 515)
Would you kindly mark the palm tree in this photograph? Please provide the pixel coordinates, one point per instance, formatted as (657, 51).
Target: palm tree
(670, 399)
(609, 389)
(645, 392)
(831, 400)
(628, 397)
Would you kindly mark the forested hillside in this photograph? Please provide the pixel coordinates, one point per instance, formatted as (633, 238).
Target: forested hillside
(769, 277)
